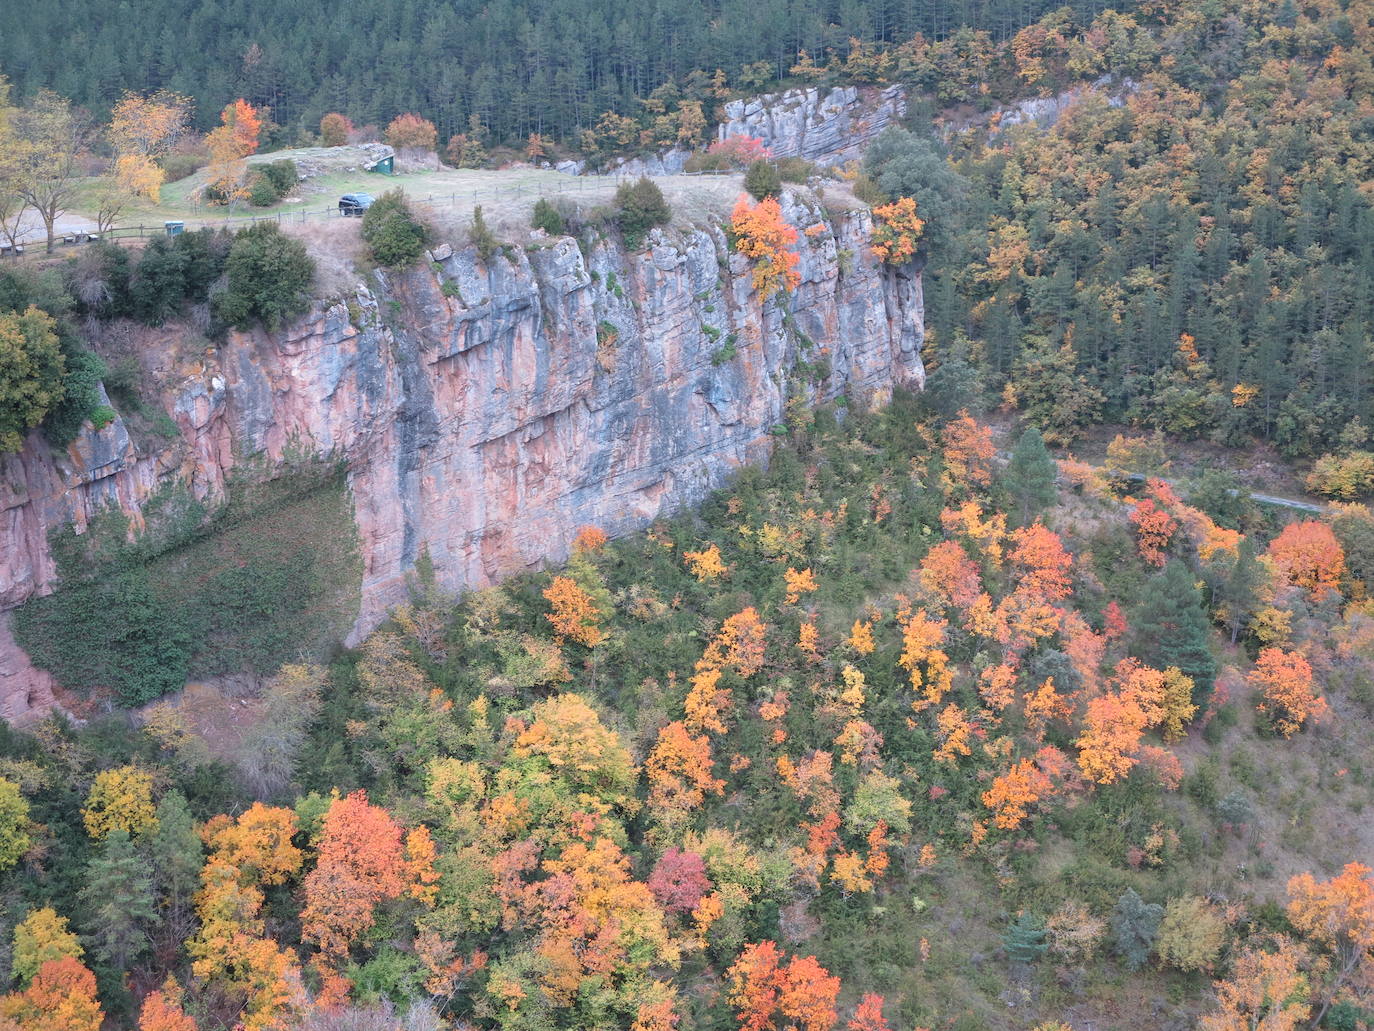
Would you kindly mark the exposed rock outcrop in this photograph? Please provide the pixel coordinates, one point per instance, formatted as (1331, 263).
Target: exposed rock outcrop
(485, 411)
(829, 127)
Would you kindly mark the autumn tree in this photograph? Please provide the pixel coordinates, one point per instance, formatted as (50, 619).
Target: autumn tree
(1309, 555)
(968, 452)
(705, 564)
(764, 237)
(1191, 934)
(1044, 562)
(679, 771)
(162, 1010)
(229, 143)
(679, 881)
(1154, 529)
(335, 129)
(411, 132)
(361, 864)
(142, 130)
(1288, 695)
(42, 937)
(868, 1015)
(1337, 914)
(48, 135)
(768, 995)
(120, 799)
(575, 616)
(896, 231)
(61, 997)
(14, 823)
(1267, 991)
(1011, 794)
(568, 740)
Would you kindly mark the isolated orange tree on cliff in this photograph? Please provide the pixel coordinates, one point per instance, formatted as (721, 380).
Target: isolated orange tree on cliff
(763, 236)
(896, 231)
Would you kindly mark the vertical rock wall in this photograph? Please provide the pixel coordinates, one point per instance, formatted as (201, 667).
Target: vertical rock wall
(486, 410)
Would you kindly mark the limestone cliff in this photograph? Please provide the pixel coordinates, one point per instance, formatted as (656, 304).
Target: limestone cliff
(486, 410)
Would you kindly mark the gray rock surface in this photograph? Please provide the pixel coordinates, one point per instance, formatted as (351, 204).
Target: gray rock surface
(484, 412)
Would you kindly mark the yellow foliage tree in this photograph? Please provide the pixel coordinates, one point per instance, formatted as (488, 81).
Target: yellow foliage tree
(120, 799)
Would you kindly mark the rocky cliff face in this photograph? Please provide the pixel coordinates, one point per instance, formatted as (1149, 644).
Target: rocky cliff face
(487, 410)
(828, 127)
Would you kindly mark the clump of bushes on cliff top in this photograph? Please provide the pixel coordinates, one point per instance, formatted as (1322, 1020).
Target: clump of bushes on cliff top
(640, 206)
(270, 276)
(394, 235)
(46, 376)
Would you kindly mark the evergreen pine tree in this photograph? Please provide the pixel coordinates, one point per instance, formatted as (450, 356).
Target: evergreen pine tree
(118, 902)
(1024, 941)
(1236, 596)
(1135, 925)
(1030, 476)
(176, 855)
(1171, 629)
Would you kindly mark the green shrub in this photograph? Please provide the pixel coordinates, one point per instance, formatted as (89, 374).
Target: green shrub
(547, 218)
(763, 180)
(393, 233)
(270, 277)
(114, 633)
(795, 170)
(32, 373)
(261, 192)
(640, 206)
(179, 166)
(282, 174)
(482, 236)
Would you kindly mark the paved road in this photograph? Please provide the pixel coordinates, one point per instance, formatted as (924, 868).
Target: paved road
(1263, 499)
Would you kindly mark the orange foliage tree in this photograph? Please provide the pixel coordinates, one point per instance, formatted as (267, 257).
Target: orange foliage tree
(335, 129)
(798, 582)
(1112, 729)
(411, 131)
(361, 863)
(1267, 991)
(968, 454)
(1011, 795)
(575, 615)
(949, 573)
(769, 996)
(1288, 696)
(896, 231)
(924, 659)
(161, 1010)
(868, 1015)
(1309, 555)
(1040, 553)
(246, 855)
(764, 237)
(679, 772)
(1339, 915)
(1154, 528)
(229, 143)
(61, 997)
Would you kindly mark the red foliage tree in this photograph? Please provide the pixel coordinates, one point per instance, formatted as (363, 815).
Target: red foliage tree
(679, 881)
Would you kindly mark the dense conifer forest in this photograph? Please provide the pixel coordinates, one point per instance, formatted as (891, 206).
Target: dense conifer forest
(519, 66)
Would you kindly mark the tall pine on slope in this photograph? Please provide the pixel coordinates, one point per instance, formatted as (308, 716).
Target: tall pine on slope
(1171, 628)
(1030, 476)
